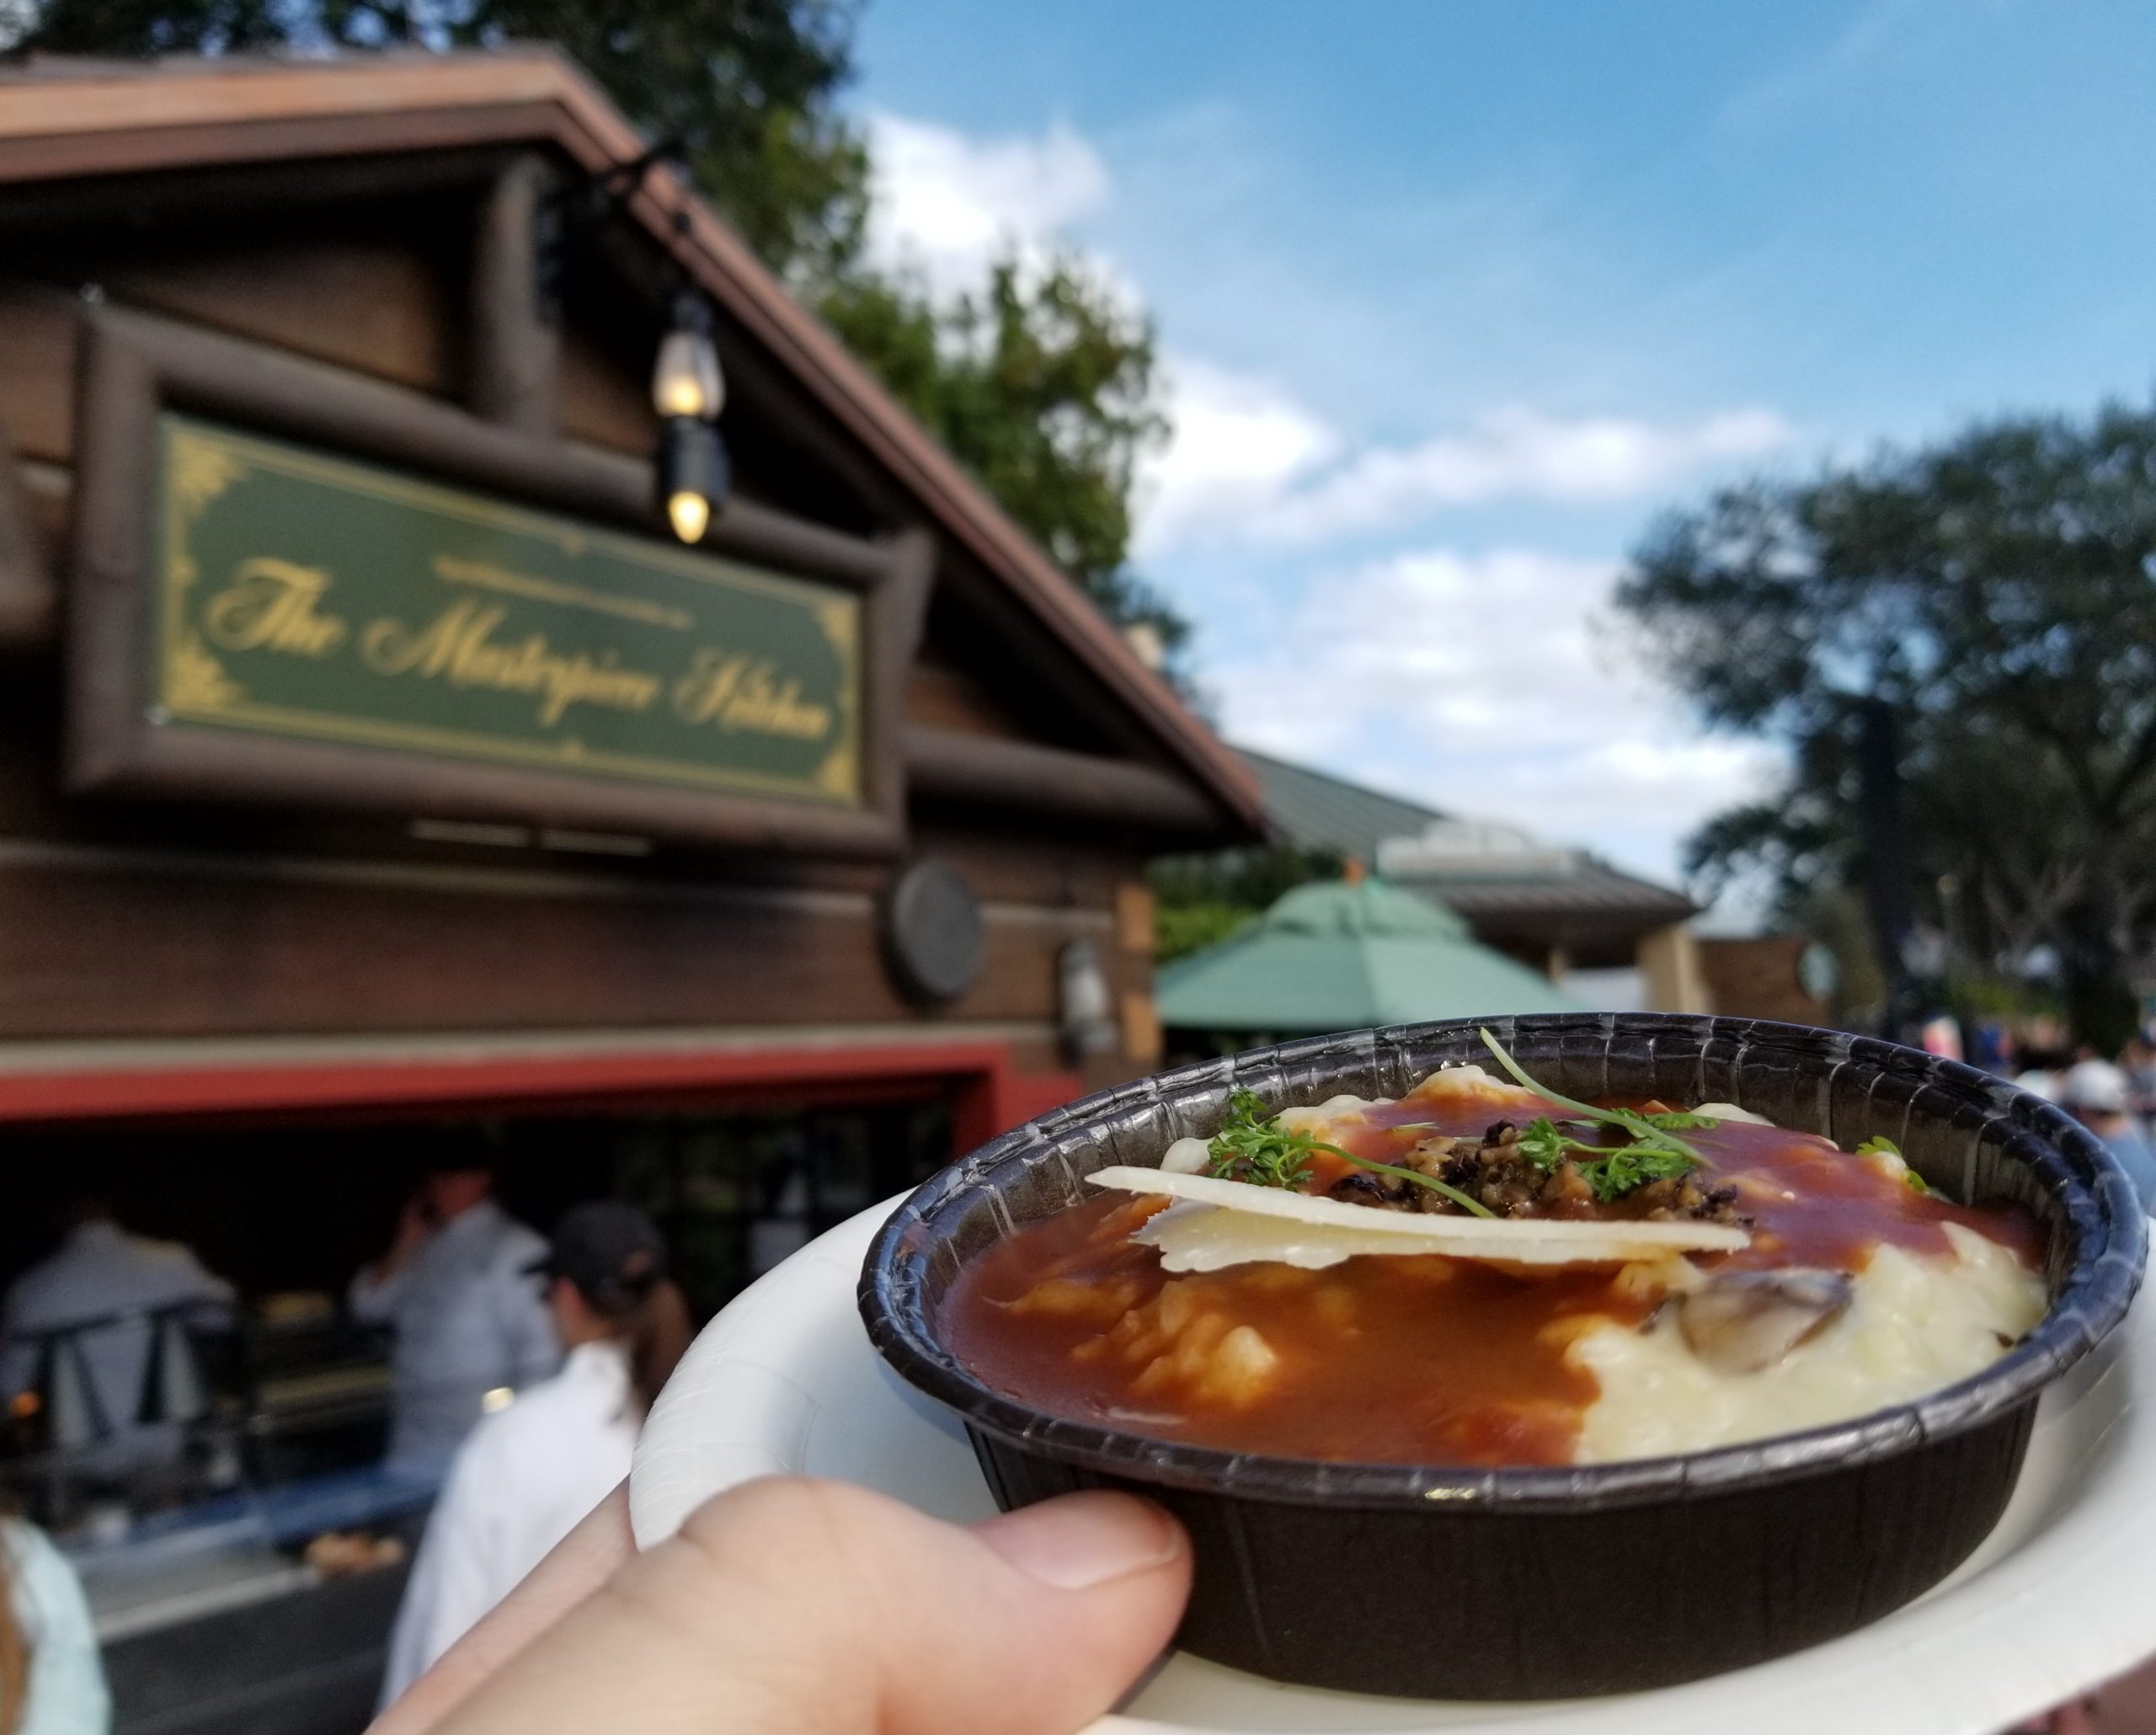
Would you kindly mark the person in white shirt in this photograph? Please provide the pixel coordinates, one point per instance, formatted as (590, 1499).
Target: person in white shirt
(470, 1327)
(530, 1472)
(51, 1681)
(101, 1300)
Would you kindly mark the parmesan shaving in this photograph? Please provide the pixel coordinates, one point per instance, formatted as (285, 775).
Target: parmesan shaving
(1316, 1232)
(1730, 1110)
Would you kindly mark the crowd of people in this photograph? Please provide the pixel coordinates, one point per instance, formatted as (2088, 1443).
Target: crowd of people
(522, 1368)
(2114, 1098)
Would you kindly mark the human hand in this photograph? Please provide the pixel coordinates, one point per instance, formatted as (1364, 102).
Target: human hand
(793, 1605)
(415, 1224)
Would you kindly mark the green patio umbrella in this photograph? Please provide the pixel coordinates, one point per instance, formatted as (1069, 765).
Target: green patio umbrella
(1341, 956)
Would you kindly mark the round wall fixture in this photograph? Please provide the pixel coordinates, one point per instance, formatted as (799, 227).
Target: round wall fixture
(931, 931)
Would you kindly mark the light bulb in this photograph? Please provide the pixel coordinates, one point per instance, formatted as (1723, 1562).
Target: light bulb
(690, 514)
(691, 476)
(686, 381)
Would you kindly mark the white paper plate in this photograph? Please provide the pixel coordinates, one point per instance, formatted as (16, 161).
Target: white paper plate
(2060, 1598)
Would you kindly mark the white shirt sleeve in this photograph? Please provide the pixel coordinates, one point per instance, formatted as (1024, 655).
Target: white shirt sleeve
(371, 1300)
(530, 1349)
(456, 1576)
(67, 1694)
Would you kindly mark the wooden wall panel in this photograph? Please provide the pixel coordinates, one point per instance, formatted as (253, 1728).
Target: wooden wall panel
(602, 404)
(377, 308)
(118, 953)
(37, 338)
(941, 696)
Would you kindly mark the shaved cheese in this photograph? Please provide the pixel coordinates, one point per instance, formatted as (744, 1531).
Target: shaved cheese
(1730, 1110)
(1317, 1227)
(1195, 1237)
(1187, 1156)
(1449, 1083)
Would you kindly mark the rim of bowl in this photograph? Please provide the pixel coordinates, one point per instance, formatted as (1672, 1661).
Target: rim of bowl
(2102, 1213)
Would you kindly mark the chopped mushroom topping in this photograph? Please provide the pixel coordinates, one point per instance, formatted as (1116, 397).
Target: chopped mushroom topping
(1498, 1171)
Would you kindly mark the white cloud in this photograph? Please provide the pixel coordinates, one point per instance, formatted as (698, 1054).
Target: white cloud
(1490, 685)
(1237, 443)
(946, 204)
(1512, 454)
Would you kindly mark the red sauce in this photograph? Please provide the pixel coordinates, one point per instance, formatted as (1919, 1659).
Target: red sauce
(1422, 1360)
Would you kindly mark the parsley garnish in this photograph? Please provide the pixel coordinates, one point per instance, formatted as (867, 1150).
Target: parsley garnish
(1879, 1145)
(1678, 1120)
(1610, 1173)
(1655, 1153)
(1253, 1147)
(1644, 1128)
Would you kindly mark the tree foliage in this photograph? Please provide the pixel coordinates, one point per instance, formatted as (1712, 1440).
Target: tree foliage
(1996, 590)
(1204, 899)
(1042, 381)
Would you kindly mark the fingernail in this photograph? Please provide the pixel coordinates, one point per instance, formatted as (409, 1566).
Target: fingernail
(1083, 1540)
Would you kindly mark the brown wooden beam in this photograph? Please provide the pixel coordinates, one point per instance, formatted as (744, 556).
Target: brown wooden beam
(27, 595)
(516, 339)
(997, 773)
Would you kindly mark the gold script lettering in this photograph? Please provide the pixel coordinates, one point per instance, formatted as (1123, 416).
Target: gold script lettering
(270, 605)
(733, 692)
(458, 646)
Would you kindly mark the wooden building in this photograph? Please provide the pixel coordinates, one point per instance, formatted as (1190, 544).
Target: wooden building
(398, 262)
(371, 752)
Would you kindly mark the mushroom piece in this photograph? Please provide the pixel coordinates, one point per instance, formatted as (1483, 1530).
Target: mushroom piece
(1741, 1321)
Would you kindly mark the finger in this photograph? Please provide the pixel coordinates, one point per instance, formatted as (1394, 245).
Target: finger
(579, 1564)
(822, 1607)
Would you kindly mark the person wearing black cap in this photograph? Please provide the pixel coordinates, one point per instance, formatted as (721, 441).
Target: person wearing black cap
(529, 1471)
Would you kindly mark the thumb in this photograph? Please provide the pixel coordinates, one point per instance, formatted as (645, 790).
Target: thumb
(819, 1607)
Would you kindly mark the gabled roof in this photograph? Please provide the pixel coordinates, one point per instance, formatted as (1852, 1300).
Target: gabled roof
(1337, 956)
(1321, 812)
(66, 120)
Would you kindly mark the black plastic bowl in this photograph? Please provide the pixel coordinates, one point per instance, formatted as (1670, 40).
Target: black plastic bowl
(1541, 1583)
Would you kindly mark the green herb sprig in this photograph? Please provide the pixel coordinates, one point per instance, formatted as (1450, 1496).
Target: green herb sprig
(1655, 1153)
(1644, 1128)
(1879, 1145)
(1612, 1174)
(1252, 1146)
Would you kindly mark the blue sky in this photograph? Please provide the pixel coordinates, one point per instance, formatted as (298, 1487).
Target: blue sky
(1454, 299)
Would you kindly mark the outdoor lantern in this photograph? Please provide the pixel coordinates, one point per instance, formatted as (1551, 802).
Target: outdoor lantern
(692, 475)
(686, 381)
(1084, 1010)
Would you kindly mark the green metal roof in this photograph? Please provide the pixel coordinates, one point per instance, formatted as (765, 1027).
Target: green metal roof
(1341, 956)
(1319, 812)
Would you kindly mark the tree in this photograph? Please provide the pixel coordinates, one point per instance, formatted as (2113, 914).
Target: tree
(1043, 386)
(1996, 590)
(1042, 383)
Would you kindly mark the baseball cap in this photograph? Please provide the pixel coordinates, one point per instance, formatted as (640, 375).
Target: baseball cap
(611, 1251)
(2096, 1086)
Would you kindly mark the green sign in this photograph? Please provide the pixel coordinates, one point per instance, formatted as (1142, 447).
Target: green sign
(310, 597)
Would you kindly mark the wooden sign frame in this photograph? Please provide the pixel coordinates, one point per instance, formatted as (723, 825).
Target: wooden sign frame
(137, 366)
